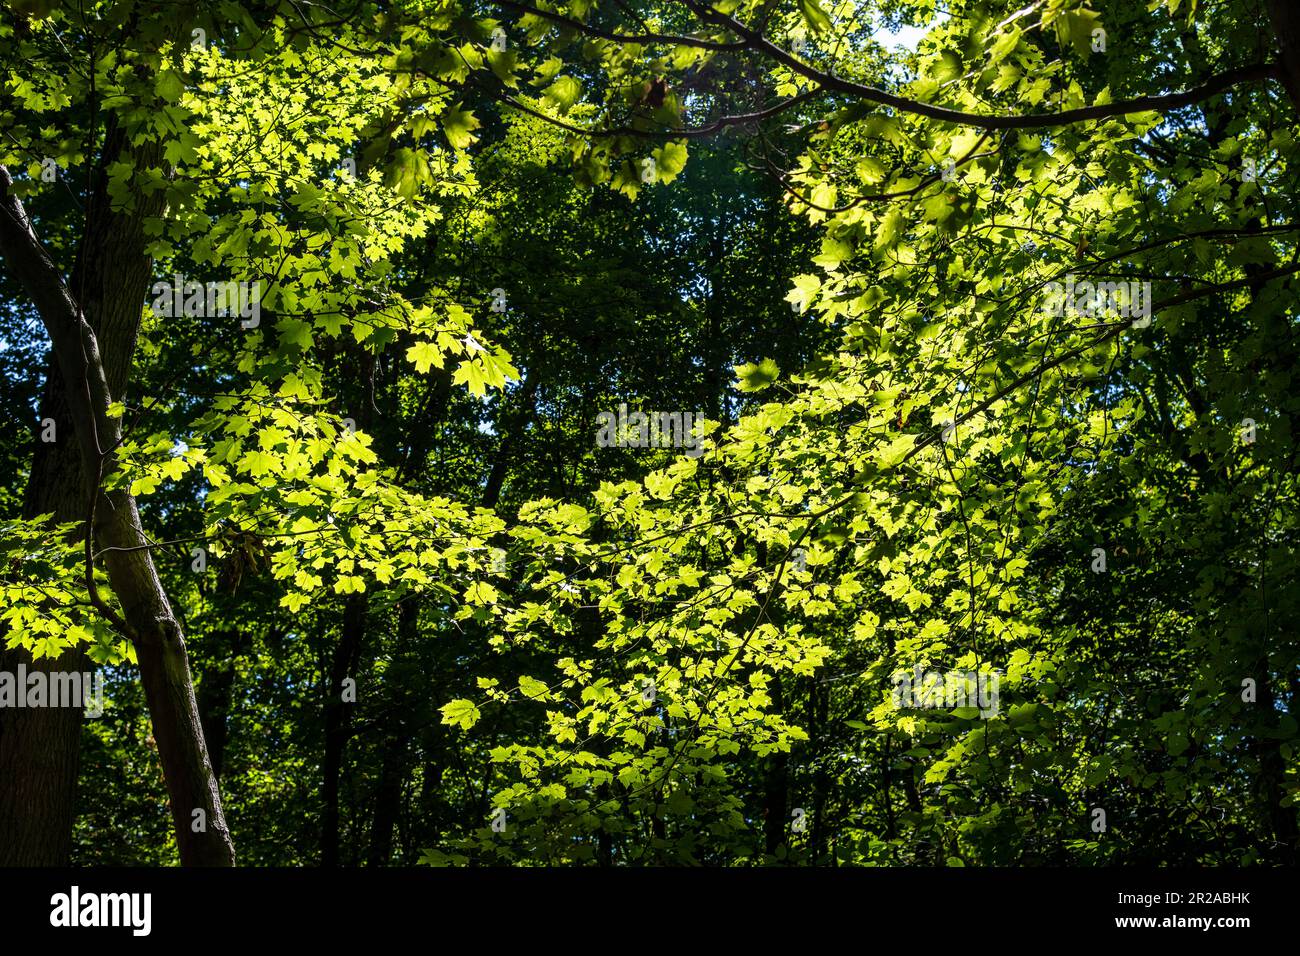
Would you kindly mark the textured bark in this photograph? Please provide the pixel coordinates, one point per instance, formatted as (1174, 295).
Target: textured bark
(112, 276)
(39, 747)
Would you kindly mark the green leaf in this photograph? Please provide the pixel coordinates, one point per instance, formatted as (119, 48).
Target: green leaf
(459, 126)
(870, 170)
(754, 378)
(562, 94)
(1075, 28)
(504, 63)
(170, 86)
(670, 159)
(891, 227)
(424, 355)
(460, 712)
(895, 451)
(532, 688)
(407, 172)
(814, 15)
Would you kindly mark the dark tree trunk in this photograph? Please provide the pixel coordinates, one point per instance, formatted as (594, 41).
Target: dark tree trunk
(113, 276)
(776, 785)
(216, 690)
(388, 800)
(431, 804)
(1285, 17)
(817, 708)
(39, 747)
(338, 722)
(397, 745)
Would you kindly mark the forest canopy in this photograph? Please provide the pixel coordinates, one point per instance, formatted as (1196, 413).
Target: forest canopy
(649, 432)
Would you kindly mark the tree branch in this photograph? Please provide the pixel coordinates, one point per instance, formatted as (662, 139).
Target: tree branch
(1142, 104)
(76, 350)
(696, 132)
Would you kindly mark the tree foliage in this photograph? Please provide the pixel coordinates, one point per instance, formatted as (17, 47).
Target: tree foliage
(986, 339)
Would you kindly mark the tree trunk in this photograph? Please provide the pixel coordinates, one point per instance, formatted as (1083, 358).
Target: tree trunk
(116, 282)
(388, 800)
(40, 746)
(215, 691)
(1285, 17)
(400, 684)
(338, 722)
(776, 784)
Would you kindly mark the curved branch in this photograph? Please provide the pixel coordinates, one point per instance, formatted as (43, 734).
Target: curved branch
(696, 132)
(1142, 104)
